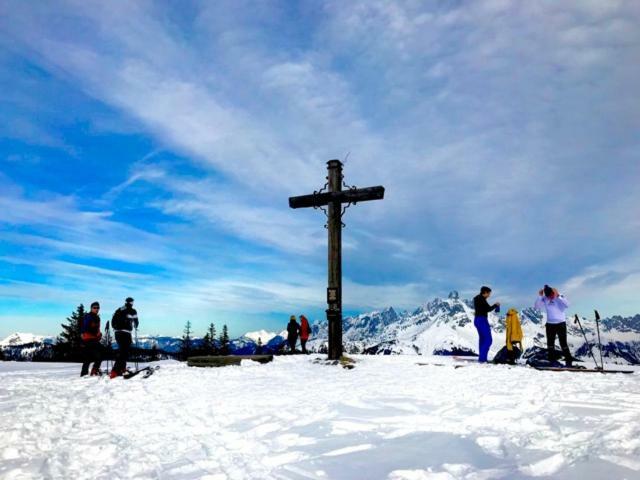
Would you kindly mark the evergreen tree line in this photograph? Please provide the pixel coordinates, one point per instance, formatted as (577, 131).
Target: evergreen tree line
(68, 346)
(210, 345)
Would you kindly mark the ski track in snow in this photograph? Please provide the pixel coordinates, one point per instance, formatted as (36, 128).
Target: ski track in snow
(386, 419)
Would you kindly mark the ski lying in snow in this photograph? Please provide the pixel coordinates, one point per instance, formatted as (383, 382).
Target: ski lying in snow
(585, 370)
(441, 365)
(466, 359)
(470, 364)
(146, 371)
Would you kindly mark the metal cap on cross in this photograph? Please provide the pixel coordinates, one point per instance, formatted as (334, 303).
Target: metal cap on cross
(333, 197)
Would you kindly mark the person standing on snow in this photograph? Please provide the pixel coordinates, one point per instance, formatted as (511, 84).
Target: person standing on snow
(124, 320)
(305, 332)
(293, 329)
(481, 322)
(554, 305)
(91, 336)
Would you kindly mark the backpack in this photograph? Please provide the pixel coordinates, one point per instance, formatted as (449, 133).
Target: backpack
(504, 356)
(117, 322)
(539, 357)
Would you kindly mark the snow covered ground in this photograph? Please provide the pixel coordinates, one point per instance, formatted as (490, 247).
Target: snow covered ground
(386, 419)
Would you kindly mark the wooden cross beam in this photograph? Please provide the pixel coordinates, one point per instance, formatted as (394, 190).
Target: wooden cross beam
(344, 196)
(333, 199)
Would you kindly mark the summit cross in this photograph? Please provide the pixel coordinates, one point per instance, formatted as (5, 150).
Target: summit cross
(333, 198)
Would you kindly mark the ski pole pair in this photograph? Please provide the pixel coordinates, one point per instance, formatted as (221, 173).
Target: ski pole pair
(577, 320)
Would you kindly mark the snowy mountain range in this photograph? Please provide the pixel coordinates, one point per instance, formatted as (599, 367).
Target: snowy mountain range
(440, 327)
(445, 327)
(25, 346)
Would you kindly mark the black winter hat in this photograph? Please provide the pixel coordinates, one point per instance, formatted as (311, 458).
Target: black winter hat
(95, 304)
(128, 300)
(548, 291)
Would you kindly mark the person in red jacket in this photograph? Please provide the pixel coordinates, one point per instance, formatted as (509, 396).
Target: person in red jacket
(91, 336)
(305, 332)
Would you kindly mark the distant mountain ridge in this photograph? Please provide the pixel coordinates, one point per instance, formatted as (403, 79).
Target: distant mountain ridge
(17, 339)
(439, 327)
(445, 327)
(27, 347)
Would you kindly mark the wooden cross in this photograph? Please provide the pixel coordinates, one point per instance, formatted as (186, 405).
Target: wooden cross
(333, 199)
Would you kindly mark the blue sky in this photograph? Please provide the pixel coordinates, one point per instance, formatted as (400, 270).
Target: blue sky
(149, 148)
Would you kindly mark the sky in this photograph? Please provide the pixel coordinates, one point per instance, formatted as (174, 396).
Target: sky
(148, 149)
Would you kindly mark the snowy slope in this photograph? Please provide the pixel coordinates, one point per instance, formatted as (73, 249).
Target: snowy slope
(292, 419)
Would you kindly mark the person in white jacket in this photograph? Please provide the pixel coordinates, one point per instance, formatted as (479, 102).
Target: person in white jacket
(554, 304)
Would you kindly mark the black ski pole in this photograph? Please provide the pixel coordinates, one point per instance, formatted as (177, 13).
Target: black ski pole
(137, 350)
(107, 332)
(599, 342)
(577, 320)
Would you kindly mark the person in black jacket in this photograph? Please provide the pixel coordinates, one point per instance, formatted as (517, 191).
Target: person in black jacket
(124, 320)
(91, 336)
(293, 330)
(481, 321)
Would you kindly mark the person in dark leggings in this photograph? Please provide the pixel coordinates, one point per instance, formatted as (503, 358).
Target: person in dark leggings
(124, 320)
(481, 322)
(293, 330)
(554, 305)
(91, 347)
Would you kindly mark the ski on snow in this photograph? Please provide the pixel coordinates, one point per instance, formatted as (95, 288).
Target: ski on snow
(468, 364)
(584, 370)
(441, 365)
(545, 369)
(146, 371)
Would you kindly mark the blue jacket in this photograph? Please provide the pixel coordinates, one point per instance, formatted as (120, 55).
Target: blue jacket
(90, 327)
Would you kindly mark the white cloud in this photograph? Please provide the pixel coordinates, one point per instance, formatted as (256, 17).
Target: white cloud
(505, 132)
(64, 227)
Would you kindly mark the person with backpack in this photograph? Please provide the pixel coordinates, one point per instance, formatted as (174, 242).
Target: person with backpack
(481, 322)
(554, 305)
(305, 332)
(124, 320)
(293, 329)
(90, 335)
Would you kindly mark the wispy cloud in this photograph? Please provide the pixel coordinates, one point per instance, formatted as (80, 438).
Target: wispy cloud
(504, 132)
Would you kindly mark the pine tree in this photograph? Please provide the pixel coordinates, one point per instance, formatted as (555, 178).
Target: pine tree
(185, 350)
(259, 346)
(212, 334)
(224, 341)
(209, 341)
(206, 344)
(69, 342)
(154, 351)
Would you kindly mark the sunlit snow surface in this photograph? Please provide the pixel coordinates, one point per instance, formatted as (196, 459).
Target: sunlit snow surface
(386, 419)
